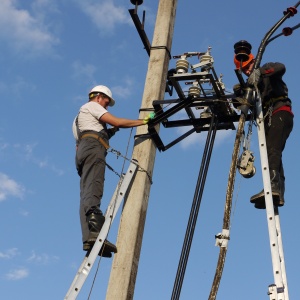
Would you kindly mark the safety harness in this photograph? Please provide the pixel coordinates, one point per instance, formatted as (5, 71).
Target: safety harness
(97, 137)
(270, 104)
(272, 101)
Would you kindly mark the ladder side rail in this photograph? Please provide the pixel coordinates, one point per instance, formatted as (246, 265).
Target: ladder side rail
(89, 260)
(268, 198)
(281, 254)
(68, 295)
(110, 214)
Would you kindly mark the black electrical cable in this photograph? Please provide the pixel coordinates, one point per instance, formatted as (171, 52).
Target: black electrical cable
(285, 31)
(194, 210)
(289, 13)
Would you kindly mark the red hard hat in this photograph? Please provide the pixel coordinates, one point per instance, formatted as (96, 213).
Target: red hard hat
(244, 63)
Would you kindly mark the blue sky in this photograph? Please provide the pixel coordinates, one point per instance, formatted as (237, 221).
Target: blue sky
(51, 54)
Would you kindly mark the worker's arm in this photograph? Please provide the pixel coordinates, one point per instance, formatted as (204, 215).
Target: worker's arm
(120, 122)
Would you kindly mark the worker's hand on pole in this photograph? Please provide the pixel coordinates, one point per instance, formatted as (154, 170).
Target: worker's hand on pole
(149, 117)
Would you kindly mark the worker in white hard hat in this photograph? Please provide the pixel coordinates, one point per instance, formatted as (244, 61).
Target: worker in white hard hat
(91, 134)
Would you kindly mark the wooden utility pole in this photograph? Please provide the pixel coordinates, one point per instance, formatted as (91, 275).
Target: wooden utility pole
(125, 264)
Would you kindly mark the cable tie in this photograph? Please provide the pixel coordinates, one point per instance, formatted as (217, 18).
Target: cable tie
(162, 47)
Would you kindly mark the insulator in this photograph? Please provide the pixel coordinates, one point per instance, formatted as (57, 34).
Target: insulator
(194, 91)
(182, 66)
(207, 59)
(222, 85)
(206, 113)
(221, 82)
(242, 49)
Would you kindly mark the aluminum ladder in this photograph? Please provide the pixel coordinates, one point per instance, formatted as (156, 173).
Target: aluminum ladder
(278, 290)
(89, 259)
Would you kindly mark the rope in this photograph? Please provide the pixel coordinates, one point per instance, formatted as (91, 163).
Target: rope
(227, 209)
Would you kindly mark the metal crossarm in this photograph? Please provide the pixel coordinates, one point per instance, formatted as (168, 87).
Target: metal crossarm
(89, 259)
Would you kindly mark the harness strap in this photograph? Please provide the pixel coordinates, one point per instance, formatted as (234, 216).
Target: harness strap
(273, 100)
(97, 137)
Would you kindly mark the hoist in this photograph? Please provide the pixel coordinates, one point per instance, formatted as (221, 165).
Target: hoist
(246, 160)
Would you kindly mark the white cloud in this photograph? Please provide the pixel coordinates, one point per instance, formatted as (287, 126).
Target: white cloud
(8, 254)
(17, 274)
(42, 163)
(200, 138)
(123, 91)
(9, 187)
(105, 14)
(80, 70)
(24, 31)
(26, 152)
(41, 258)
(17, 87)
(24, 213)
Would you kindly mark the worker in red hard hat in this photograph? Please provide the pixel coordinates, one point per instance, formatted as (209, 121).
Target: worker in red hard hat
(278, 120)
(92, 135)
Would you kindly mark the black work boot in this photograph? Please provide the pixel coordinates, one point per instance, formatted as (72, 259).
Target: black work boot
(259, 199)
(280, 202)
(96, 220)
(104, 252)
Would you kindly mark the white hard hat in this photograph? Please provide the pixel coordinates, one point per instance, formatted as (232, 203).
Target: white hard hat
(105, 90)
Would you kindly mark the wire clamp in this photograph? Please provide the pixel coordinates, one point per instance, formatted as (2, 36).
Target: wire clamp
(222, 238)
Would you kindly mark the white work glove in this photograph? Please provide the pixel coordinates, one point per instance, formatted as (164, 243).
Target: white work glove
(254, 77)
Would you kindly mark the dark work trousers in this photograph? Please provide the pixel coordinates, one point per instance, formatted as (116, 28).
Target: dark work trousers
(90, 164)
(276, 136)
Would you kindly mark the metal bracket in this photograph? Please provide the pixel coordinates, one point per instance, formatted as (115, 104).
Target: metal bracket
(140, 28)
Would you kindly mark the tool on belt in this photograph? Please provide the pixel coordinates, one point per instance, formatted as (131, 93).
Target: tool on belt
(97, 137)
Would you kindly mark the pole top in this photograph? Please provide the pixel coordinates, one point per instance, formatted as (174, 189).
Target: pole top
(137, 2)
